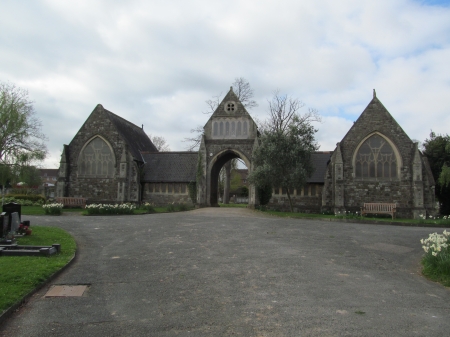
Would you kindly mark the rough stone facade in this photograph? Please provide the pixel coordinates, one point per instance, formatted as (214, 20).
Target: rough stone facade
(112, 160)
(113, 174)
(229, 133)
(410, 185)
(305, 200)
(161, 194)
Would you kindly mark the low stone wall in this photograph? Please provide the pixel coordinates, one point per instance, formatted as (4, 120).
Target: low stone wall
(161, 194)
(306, 200)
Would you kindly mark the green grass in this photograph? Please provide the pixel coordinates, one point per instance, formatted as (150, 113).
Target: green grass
(38, 210)
(21, 274)
(234, 205)
(430, 222)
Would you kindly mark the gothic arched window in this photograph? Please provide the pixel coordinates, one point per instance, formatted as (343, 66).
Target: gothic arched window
(96, 159)
(376, 158)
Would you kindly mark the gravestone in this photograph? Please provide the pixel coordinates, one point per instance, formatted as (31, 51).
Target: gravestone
(15, 222)
(11, 208)
(4, 220)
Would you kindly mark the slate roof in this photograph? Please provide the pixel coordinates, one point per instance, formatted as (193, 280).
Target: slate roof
(182, 166)
(174, 167)
(320, 162)
(134, 135)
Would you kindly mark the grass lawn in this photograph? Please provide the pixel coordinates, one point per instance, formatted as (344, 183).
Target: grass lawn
(38, 210)
(234, 205)
(21, 274)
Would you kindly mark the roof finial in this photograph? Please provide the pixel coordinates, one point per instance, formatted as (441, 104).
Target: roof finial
(231, 88)
(374, 94)
(142, 126)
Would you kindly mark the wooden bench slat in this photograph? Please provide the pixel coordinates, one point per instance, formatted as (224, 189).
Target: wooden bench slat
(382, 208)
(71, 201)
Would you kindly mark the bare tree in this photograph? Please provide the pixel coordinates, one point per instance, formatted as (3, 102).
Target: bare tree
(283, 110)
(244, 92)
(160, 143)
(283, 158)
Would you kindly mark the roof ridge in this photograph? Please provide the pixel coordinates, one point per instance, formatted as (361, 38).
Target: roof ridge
(122, 119)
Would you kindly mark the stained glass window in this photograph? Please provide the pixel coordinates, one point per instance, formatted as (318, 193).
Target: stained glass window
(376, 159)
(97, 159)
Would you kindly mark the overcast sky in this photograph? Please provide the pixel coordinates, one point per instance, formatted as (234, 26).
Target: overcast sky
(157, 62)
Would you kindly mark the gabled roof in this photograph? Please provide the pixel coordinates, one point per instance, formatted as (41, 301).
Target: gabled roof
(238, 110)
(320, 162)
(175, 167)
(376, 108)
(133, 135)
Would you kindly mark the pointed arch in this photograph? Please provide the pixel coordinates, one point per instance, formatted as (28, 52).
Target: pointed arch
(96, 158)
(377, 157)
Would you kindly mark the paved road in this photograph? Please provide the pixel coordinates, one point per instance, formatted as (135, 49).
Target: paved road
(234, 272)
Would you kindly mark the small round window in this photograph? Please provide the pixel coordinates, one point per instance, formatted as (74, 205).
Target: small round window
(230, 107)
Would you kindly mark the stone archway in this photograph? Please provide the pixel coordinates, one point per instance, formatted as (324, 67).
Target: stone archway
(229, 133)
(216, 165)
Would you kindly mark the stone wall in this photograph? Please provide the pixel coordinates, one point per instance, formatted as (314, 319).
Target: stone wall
(96, 189)
(343, 191)
(161, 194)
(306, 200)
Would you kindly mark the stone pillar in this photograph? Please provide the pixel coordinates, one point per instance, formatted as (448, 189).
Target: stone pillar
(417, 187)
(63, 174)
(201, 178)
(338, 180)
(227, 183)
(123, 170)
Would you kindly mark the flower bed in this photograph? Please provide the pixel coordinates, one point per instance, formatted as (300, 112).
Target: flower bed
(100, 209)
(53, 209)
(436, 261)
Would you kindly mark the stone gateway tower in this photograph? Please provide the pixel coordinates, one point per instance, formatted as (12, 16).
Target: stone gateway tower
(229, 133)
(376, 161)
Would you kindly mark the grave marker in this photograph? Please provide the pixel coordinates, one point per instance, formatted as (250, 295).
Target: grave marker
(10, 208)
(4, 220)
(15, 222)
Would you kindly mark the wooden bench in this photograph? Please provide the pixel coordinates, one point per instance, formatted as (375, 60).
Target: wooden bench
(379, 208)
(72, 202)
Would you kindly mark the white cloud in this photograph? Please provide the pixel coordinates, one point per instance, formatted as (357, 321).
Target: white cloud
(155, 63)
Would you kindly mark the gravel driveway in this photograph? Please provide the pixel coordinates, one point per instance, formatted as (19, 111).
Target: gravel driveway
(236, 272)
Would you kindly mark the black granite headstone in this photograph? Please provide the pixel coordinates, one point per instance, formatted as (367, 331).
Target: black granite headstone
(10, 208)
(4, 220)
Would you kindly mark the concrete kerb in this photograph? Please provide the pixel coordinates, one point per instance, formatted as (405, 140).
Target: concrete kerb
(8, 312)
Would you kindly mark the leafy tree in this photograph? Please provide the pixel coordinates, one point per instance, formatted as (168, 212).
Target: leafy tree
(21, 139)
(283, 157)
(160, 143)
(437, 150)
(30, 175)
(264, 194)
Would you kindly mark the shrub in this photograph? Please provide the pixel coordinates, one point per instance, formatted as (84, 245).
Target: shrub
(264, 194)
(53, 209)
(192, 188)
(97, 209)
(30, 197)
(183, 207)
(171, 207)
(150, 208)
(436, 261)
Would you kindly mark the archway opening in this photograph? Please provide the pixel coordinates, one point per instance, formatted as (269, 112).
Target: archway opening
(238, 180)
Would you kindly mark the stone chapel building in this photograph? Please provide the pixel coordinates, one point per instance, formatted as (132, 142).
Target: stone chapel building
(111, 160)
